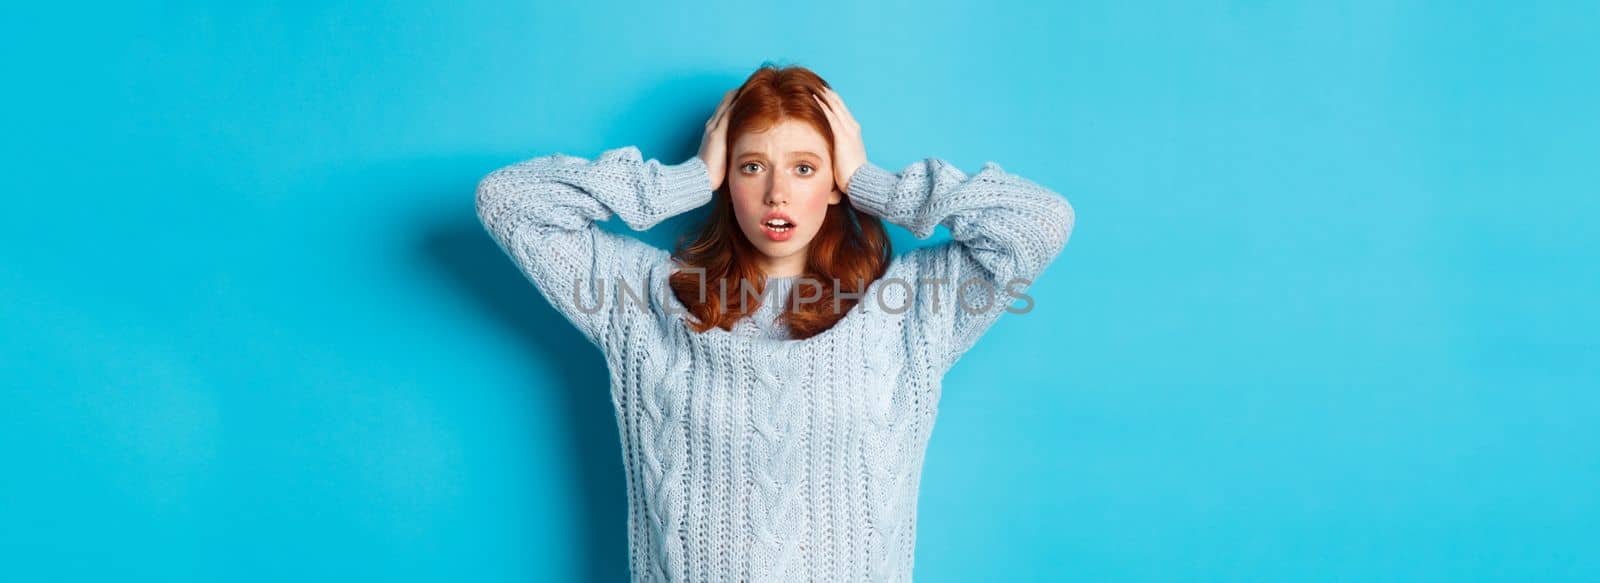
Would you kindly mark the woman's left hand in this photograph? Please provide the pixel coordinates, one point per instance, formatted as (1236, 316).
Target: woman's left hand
(849, 153)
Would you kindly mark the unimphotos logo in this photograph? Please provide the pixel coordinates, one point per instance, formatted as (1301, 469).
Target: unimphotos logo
(974, 295)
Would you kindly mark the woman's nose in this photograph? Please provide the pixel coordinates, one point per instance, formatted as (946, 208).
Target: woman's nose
(777, 193)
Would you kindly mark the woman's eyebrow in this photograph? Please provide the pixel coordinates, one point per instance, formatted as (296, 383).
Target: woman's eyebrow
(795, 153)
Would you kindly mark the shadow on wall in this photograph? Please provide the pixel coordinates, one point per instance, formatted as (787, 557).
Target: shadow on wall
(470, 257)
(666, 123)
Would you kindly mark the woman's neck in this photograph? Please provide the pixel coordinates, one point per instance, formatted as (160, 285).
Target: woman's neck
(785, 267)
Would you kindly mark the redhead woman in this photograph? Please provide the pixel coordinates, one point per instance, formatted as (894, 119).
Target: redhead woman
(776, 377)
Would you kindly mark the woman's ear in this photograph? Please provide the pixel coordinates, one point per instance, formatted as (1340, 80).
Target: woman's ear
(834, 196)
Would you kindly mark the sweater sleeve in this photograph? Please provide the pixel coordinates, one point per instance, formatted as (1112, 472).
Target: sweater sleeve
(1004, 230)
(543, 213)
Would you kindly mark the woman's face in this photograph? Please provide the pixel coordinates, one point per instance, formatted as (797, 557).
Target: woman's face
(781, 180)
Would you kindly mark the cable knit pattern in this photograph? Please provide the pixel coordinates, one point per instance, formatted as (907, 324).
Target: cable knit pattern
(751, 456)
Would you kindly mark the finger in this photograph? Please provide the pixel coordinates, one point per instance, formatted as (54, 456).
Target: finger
(827, 110)
(723, 106)
(717, 121)
(839, 107)
(834, 121)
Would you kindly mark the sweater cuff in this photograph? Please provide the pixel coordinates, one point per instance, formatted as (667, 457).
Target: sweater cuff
(682, 187)
(872, 189)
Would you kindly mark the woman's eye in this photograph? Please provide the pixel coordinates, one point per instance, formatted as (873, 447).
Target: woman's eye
(806, 169)
(752, 167)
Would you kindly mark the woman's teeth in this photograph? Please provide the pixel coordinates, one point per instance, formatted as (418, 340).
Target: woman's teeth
(779, 225)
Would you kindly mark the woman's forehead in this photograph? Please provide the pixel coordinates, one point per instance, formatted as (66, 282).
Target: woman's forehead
(788, 138)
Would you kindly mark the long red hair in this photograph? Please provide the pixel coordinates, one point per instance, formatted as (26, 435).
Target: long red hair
(850, 251)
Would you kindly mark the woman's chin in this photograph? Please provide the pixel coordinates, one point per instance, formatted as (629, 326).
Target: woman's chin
(779, 249)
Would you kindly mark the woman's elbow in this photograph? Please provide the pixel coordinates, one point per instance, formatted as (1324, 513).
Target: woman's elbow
(1064, 218)
(488, 198)
(1055, 217)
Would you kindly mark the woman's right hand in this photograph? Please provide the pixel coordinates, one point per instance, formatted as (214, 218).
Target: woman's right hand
(714, 144)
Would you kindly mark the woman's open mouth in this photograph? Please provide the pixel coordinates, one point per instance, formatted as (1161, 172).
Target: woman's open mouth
(778, 228)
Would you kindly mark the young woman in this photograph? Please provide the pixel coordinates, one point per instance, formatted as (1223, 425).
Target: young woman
(776, 378)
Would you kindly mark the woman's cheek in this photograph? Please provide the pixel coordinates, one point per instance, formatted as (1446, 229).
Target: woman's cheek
(746, 209)
(816, 201)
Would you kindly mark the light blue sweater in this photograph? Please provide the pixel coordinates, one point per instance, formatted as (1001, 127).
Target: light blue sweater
(749, 456)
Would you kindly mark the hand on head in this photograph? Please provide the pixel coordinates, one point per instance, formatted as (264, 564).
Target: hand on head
(714, 144)
(849, 153)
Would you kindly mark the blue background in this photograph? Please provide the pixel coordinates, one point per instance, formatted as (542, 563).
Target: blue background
(1328, 313)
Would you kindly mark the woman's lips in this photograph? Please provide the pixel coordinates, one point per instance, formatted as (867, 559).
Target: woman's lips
(777, 234)
(778, 225)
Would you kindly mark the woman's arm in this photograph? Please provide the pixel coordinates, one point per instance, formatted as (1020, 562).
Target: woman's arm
(1004, 230)
(543, 211)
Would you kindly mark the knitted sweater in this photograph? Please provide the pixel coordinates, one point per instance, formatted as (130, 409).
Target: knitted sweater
(749, 456)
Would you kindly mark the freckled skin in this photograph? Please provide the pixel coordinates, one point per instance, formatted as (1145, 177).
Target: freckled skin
(768, 171)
